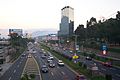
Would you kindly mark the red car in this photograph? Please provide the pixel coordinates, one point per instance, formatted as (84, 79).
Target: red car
(80, 77)
(108, 64)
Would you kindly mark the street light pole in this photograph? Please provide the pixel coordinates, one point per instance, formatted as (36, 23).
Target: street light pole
(75, 44)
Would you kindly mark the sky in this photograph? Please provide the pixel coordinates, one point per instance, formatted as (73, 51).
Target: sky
(46, 14)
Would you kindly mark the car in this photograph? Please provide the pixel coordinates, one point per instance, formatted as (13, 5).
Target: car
(29, 56)
(43, 56)
(60, 63)
(88, 58)
(1, 68)
(44, 69)
(80, 77)
(51, 64)
(51, 57)
(23, 55)
(34, 51)
(108, 64)
(49, 60)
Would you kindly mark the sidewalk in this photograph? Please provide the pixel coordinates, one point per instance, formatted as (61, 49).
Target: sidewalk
(5, 67)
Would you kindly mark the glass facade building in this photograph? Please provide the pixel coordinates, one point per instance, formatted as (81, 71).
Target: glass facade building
(67, 22)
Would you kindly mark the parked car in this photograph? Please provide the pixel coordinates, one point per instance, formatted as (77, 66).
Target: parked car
(44, 69)
(60, 63)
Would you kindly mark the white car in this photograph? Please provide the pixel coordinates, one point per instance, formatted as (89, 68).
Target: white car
(29, 56)
(51, 57)
(60, 63)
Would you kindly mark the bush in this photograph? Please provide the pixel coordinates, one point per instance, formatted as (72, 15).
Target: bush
(32, 76)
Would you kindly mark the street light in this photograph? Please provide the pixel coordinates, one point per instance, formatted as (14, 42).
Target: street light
(76, 48)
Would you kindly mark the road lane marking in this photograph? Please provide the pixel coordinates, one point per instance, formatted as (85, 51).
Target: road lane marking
(103, 69)
(63, 73)
(14, 71)
(58, 67)
(10, 78)
(52, 74)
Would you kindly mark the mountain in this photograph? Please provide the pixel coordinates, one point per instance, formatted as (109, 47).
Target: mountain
(43, 32)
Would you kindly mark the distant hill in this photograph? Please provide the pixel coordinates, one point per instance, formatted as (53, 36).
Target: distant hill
(44, 32)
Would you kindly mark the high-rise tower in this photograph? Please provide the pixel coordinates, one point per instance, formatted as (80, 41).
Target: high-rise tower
(67, 22)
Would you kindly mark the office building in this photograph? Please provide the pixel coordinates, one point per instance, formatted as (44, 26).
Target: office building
(18, 31)
(67, 22)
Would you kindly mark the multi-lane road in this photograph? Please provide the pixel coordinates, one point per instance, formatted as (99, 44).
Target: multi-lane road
(56, 73)
(15, 71)
(114, 71)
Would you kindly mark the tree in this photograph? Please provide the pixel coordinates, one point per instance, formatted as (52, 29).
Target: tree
(118, 15)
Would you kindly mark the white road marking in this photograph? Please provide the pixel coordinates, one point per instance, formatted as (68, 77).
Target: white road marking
(63, 73)
(103, 69)
(17, 65)
(14, 71)
(52, 73)
(10, 78)
(57, 67)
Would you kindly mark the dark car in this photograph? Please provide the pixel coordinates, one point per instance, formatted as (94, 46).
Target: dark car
(108, 64)
(23, 55)
(51, 64)
(80, 77)
(44, 69)
(1, 68)
(43, 56)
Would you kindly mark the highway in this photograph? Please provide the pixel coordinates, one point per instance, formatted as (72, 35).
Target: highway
(15, 71)
(56, 73)
(114, 71)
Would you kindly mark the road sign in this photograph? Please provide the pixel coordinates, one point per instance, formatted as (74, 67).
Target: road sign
(95, 68)
(75, 57)
(104, 47)
(77, 47)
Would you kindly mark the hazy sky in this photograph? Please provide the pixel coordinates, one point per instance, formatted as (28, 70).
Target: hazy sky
(43, 14)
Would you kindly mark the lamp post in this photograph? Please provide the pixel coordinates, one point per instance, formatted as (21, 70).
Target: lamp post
(76, 48)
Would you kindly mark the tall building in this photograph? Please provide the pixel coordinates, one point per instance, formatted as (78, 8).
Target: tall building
(67, 22)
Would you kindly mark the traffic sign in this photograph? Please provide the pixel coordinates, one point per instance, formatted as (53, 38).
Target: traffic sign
(75, 57)
(104, 47)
